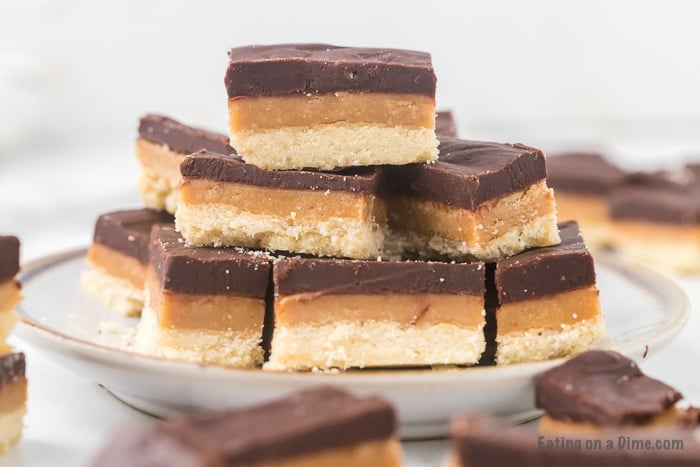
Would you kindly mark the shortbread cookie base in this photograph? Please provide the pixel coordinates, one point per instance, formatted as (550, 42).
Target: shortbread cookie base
(224, 225)
(547, 343)
(495, 230)
(339, 144)
(11, 424)
(592, 214)
(666, 246)
(381, 453)
(350, 344)
(236, 349)
(117, 294)
(156, 191)
(159, 176)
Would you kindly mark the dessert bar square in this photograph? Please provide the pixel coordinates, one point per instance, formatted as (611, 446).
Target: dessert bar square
(333, 313)
(548, 304)
(602, 389)
(322, 427)
(480, 200)
(161, 146)
(581, 183)
(656, 220)
(203, 304)
(295, 106)
(225, 201)
(118, 258)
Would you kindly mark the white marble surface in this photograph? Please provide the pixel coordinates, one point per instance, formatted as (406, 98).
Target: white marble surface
(50, 197)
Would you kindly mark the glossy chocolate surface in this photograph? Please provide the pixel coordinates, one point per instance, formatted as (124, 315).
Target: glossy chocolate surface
(204, 270)
(181, 138)
(300, 69)
(127, 231)
(603, 388)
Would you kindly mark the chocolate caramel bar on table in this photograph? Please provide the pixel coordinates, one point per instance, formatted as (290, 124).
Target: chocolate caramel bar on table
(445, 125)
(336, 313)
(479, 200)
(656, 220)
(482, 441)
(548, 303)
(161, 146)
(294, 106)
(118, 258)
(322, 427)
(10, 293)
(600, 390)
(225, 201)
(582, 183)
(203, 304)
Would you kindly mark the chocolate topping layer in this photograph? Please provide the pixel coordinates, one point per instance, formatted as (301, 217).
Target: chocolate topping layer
(12, 367)
(127, 231)
(294, 69)
(344, 276)
(205, 270)
(223, 168)
(445, 126)
(585, 173)
(604, 388)
(657, 202)
(468, 173)
(306, 422)
(158, 446)
(9, 257)
(481, 441)
(545, 271)
(181, 138)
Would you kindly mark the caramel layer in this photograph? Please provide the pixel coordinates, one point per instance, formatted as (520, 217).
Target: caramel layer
(117, 264)
(179, 310)
(162, 160)
(552, 425)
(410, 110)
(490, 220)
(10, 295)
(409, 309)
(381, 453)
(302, 205)
(548, 312)
(13, 395)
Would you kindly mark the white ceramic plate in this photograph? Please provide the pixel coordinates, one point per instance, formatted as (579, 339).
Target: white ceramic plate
(643, 311)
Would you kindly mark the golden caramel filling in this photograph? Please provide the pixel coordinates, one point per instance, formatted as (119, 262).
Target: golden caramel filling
(117, 264)
(552, 425)
(13, 395)
(489, 221)
(10, 295)
(380, 453)
(159, 158)
(584, 208)
(302, 206)
(420, 309)
(213, 312)
(656, 232)
(410, 110)
(548, 312)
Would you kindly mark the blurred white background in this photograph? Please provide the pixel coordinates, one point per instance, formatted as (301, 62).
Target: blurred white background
(75, 75)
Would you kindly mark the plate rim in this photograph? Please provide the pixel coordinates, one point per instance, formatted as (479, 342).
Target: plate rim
(30, 328)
